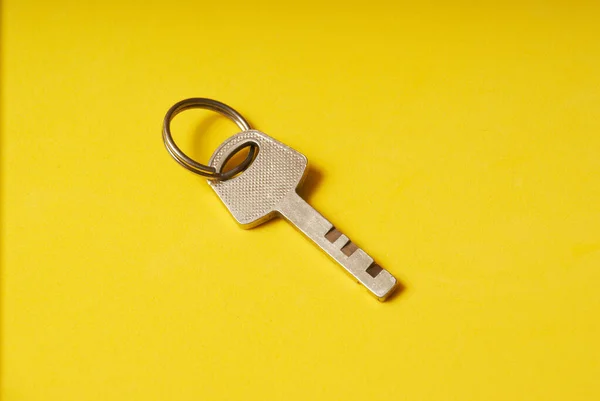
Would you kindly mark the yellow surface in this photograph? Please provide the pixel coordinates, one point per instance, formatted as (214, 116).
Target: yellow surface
(458, 143)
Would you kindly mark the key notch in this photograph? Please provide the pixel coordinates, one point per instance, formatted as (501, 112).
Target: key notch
(374, 269)
(333, 234)
(349, 248)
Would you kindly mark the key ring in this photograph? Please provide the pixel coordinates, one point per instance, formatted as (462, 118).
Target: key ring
(206, 171)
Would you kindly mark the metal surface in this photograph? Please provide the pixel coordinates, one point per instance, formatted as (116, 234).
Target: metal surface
(267, 188)
(192, 165)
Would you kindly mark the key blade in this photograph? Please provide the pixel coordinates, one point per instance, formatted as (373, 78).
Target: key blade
(378, 281)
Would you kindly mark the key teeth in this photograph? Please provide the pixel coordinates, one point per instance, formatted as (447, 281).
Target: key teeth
(341, 241)
(365, 259)
(378, 281)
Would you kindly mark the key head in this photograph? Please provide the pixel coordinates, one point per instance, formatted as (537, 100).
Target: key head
(252, 196)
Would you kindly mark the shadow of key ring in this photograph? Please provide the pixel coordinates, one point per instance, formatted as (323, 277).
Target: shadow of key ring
(206, 171)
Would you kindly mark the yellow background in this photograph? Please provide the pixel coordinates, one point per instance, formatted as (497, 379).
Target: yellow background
(458, 143)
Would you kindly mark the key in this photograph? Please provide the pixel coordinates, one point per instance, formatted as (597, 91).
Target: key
(267, 188)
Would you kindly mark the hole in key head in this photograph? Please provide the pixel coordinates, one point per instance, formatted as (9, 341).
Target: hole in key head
(349, 248)
(374, 269)
(237, 160)
(333, 234)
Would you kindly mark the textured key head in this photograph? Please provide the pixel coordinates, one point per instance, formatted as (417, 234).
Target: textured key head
(252, 196)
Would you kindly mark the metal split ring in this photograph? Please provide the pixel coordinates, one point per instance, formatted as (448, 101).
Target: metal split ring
(206, 171)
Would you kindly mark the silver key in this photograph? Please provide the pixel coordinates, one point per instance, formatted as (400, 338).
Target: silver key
(268, 189)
